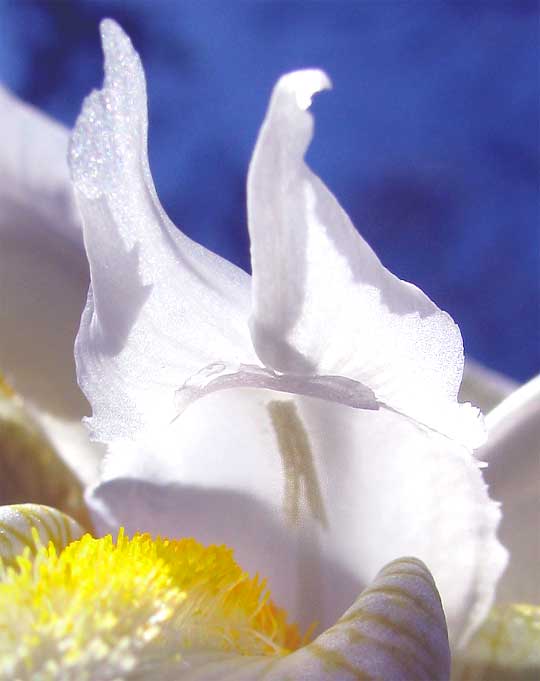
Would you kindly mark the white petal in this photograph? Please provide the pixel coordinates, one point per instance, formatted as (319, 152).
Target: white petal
(318, 519)
(31, 469)
(43, 270)
(484, 387)
(322, 301)
(512, 453)
(505, 648)
(43, 278)
(394, 631)
(160, 306)
(17, 521)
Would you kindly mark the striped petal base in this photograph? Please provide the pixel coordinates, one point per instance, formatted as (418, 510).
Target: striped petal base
(396, 631)
(139, 608)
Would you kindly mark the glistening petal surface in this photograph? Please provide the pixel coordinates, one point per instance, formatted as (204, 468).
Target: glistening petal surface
(318, 497)
(322, 301)
(156, 298)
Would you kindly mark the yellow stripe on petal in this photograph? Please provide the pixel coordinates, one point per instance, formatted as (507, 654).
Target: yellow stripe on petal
(28, 527)
(506, 647)
(395, 630)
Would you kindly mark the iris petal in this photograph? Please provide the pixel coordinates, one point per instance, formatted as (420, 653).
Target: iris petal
(322, 301)
(43, 277)
(394, 631)
(156, 297)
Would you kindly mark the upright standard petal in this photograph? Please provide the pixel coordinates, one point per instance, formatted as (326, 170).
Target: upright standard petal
(323, 304)
(156, 297)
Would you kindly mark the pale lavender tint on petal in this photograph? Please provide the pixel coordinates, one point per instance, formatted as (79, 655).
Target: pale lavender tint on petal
(395, 631)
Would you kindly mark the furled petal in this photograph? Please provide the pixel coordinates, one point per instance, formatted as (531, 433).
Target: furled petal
(160, 307)
(43, 277)
(316, 496)
(322, 301)
(17, 522)
(512, 452)
(394, 631)
(30, 468)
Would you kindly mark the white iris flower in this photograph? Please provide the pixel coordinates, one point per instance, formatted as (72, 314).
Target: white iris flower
(306, 416)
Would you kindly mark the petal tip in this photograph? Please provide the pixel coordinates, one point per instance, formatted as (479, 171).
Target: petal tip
(122, 62)
(111, 32)
(303, 85)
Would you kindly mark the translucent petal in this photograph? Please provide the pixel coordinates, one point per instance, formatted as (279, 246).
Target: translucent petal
(160, 306)
(315, 496)
(512, 453)
(322, 301)
(506, 647)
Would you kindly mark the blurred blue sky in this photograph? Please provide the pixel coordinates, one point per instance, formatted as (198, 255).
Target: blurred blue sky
(430, 138)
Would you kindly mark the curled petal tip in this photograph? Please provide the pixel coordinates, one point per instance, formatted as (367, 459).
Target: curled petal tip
(303, 85)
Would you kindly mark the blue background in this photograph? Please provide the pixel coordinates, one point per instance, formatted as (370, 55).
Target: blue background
(430, 138)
